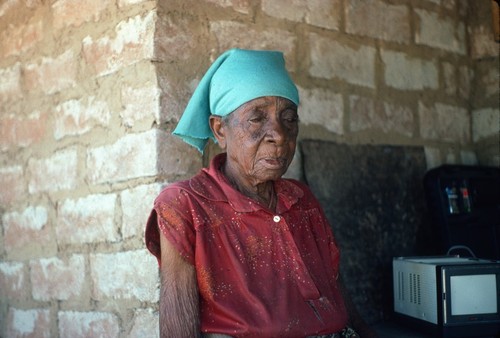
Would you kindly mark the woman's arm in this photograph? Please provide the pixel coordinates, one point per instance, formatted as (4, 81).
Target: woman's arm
(179, 302)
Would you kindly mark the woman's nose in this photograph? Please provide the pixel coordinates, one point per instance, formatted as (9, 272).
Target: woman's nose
(275, 131)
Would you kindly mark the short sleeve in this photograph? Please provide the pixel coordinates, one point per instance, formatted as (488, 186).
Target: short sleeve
(172, 216)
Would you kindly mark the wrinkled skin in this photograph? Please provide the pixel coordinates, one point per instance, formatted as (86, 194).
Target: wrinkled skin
(259, 138)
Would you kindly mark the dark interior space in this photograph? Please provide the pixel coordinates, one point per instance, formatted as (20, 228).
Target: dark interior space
(375, 199)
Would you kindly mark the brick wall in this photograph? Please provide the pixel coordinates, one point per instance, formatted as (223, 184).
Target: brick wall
(79, 100)
(89, 92)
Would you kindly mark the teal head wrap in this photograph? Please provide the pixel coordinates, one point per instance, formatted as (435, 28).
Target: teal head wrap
(236, 77)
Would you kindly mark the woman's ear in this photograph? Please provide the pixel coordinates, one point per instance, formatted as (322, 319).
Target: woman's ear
(217, 126)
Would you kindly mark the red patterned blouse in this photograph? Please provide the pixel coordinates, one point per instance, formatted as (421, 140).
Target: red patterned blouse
(260, 273)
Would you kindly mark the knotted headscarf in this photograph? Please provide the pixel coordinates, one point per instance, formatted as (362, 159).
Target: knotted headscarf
(236, 77)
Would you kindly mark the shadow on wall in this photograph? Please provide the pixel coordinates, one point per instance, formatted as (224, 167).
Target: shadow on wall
(373, 197)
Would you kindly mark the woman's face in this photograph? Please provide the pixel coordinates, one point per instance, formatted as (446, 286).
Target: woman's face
(259, 138)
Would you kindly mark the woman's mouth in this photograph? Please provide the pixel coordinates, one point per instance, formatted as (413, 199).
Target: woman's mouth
(274, 162)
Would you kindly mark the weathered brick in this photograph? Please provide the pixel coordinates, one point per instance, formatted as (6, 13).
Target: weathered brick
(485, 123)
(407, 73)
(174, 39)
(174, 97)
(451, 157)
(141, 103)
(487, 81)
(10, 83)
(379, 20)
(13, 281)
(28, 233)
(457, 81)
(87, 220)
(125, 275)
(136, 206)
(57, 279)
(242, 6)
(450, 78)
(441, 32)
(16, 40)
(450, 4)
(76, 117)
(140, 155)
(6, 6)
(74, 13)
(331, 59)
(124, 3)
(13, 184)
(367, 113)
(52, 75)
(88, 324)
(33, 3)
(322, 107)
(22, 131)
(55, 173)
(444, 122)
(482, 43)
(465, 75)
(322, 13)
(145, 324)
(463, 8)
(468, 157)
(432, 157)
(176, 158)
(134, 41)
(28, 323)
(230, 34)
(132, 156)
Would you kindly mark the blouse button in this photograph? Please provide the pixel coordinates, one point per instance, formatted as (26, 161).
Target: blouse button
(276, 218)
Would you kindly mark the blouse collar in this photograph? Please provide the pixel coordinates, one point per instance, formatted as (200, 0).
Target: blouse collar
(214, 186)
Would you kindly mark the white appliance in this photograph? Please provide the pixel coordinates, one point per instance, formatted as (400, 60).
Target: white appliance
(449, 296)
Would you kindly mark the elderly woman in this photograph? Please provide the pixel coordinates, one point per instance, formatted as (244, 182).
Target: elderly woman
(243, 252)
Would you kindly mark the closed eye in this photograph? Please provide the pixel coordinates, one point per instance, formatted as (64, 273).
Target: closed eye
(290, 116)
(257, 117)
(292, 119)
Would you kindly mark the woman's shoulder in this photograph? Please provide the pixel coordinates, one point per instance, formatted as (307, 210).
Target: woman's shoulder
(175, 193)
(172, 189)
(199, 186)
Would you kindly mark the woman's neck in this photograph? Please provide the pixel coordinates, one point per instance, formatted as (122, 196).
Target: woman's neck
(262, 192)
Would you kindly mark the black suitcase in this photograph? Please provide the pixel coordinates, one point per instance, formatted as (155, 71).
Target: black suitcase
(464, 203)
